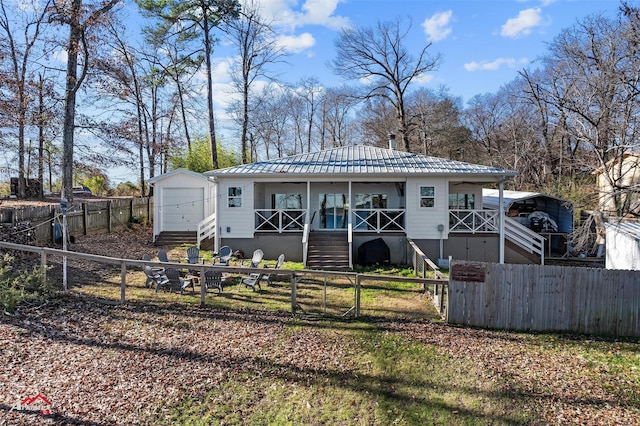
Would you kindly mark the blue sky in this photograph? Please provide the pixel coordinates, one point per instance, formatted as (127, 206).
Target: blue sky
(484, 43)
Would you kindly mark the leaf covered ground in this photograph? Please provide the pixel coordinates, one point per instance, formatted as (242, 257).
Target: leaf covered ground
(151, 362)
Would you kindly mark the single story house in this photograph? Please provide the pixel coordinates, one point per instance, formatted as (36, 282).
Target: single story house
(618, 184)
(622, 246)
(355, 194)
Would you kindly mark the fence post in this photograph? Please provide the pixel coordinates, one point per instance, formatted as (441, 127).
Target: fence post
(123, 280)
(109, 218)
(43, 263)
(85, 218)
(203, 287)
(294, 303)
(52, 211)
(357, 295)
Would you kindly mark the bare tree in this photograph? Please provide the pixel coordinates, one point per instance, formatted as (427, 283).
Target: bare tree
(80, 17)
(194, 20)
(255, 40)
(309, 91)
(16, 76)
(335, 116)
(378, 54)
(593, 67)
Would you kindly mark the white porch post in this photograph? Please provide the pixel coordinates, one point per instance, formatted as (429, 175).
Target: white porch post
(501, 221)
(216, 202)
(309, 215)
(350, 229)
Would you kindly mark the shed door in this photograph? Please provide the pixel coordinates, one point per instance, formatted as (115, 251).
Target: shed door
(182, 209)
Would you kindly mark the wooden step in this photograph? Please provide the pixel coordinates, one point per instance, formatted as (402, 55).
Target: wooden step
(328, 251)
(175, 238)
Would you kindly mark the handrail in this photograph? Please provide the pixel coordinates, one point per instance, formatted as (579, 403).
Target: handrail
(350, 241)
(524, 237)
(440, 290)
(206, 228)
(305, 243)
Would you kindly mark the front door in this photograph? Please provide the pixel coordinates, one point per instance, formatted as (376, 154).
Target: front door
(333, 214)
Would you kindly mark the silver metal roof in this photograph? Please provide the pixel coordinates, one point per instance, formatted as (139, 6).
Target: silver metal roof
(361, 160)
(491, 197)
(632, 229)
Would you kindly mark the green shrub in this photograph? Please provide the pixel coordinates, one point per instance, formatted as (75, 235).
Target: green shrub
(22, 286)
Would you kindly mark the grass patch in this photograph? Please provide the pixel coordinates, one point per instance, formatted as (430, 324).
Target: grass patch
(385, 380)
(321, 368)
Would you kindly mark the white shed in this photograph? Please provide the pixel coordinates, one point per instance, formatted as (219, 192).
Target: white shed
(182, 199)
(623, 245)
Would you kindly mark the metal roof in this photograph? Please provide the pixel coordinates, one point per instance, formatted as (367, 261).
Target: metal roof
(491, 197)
(361, 160)
(631, 229)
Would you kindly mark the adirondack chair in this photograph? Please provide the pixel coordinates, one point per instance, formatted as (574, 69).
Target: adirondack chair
(151, 272)
(155, 278)
(254, 279)
(193, 255)
(255, 259)
(254, 262)
(213, 279)
(223, 256)
(162, 256)
(175, 283)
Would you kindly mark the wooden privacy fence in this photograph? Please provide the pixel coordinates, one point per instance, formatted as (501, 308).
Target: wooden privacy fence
(83, 218)
(545, 298)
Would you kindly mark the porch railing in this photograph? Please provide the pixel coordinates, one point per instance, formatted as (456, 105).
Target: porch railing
(280, 220)
(524, 237)
(378, 220)
(474, 221)
(206, 229)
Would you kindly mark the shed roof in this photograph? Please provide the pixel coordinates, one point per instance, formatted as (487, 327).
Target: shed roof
(362, 160)
(491, 197)
(630, 229)
(176, 172)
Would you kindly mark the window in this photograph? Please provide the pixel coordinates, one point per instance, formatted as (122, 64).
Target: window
(371, 201)
(286, 201)
(427, 196)
(234, 196)
(462, 202)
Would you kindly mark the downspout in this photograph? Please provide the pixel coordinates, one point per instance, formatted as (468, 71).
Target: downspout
(307, 227)
(501, 220)
(350, 229)
(218, 229)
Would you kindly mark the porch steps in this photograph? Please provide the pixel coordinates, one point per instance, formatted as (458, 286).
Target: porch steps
(176, 238)
(328, 250)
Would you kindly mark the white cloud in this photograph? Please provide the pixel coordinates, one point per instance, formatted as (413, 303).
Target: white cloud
(523, 24)
(310, 12)
(60, 55)
(321, 12)
(496, 64)
(438, 27)
(424, 79)
(296, 44)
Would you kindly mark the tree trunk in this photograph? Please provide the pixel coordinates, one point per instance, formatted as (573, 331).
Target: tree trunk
(75, 33)
(212, 127)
